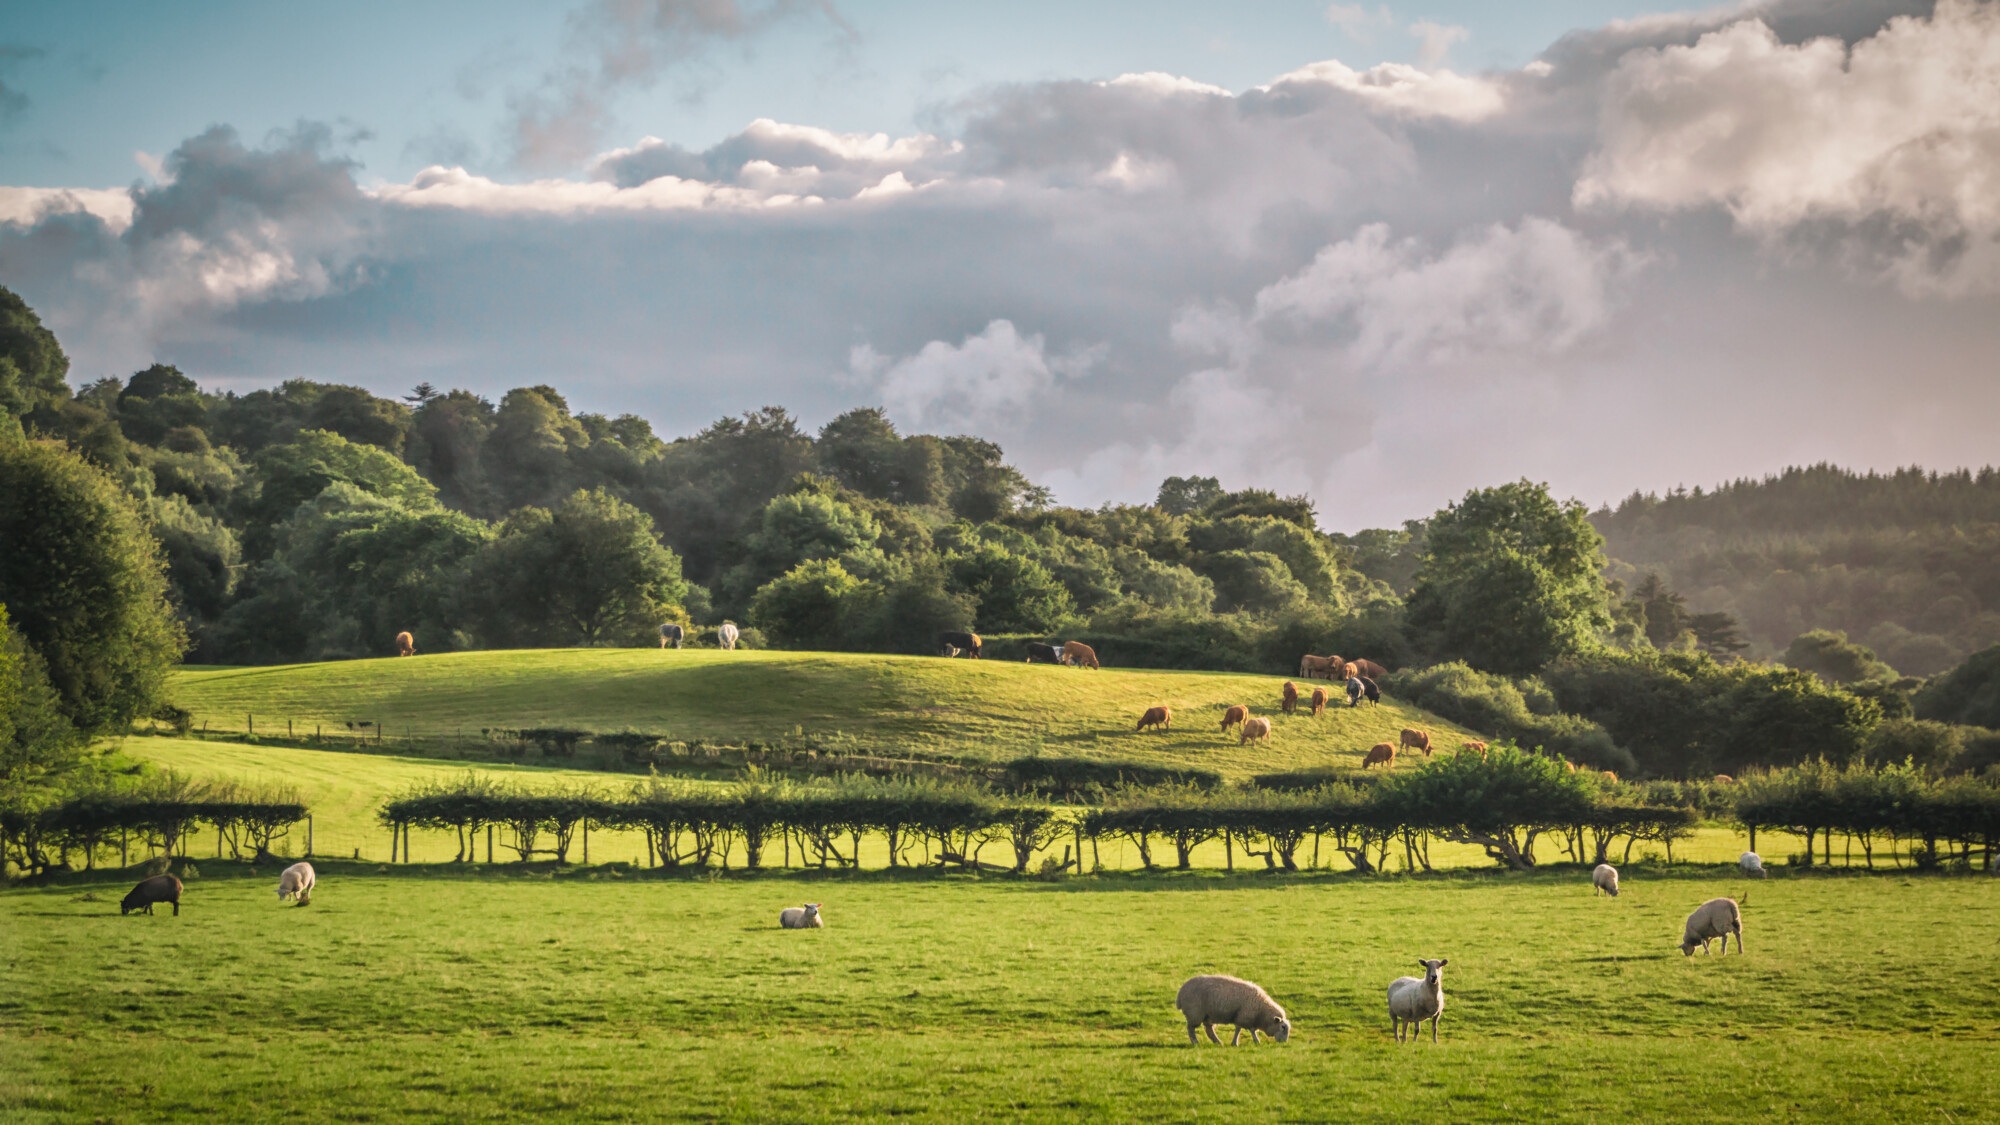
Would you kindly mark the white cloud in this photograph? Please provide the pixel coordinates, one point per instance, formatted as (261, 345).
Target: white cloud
(1358, 23)
(1435, 41)
(1161, 84)
(1405, 89)
(26, 206)
(458, 189)
(994, 373)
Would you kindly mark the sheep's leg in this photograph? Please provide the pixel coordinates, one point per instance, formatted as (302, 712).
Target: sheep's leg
(1434, 1029)
(1210, 1028)
(1237, 1039)
(1192, 1041)
(1253, 1037)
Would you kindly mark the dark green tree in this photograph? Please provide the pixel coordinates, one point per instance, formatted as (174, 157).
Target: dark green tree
(1829, 655)
(1184, 496)
(589, 573)
(32, 364)
(36, 738)
(806, 607)
(1015, 594)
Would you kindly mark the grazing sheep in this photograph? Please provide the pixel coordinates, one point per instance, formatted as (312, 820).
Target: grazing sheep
(159, 888)
(1234, 715)
(1079, 655)
(805, 917)
(1291, 699)
(1318, 702)
(1418, 739)
(1478, 748)
(1258, 729)
(1213, 999)
(1381, 754)
(406, 645)
(1716, 918)
(1751, 864)
(1161, 717)
(1318, 667)
(1724, 779)
(726, 636)
(1412, 1000)
(297, 882)
(1370, 670)
(1605, 879)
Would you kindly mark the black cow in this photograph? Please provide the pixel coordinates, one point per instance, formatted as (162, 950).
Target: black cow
(967, 644)
(671, 634)
(1374, 693)
(1043, 654)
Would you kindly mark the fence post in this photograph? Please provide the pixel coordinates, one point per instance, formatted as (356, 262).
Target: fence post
(489, 843)
(249, 723)
(309, 834)
(586, 841)
(378, 737)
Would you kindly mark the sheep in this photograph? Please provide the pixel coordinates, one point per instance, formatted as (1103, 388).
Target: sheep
(1212, 999)
(1716, 918)
(1258, 729)
(406, 645)
(159, 888)
(1159, 717)
(805, 917)
(1381, 754)
(1478, 748)
(1318, 702)
(1604, 880)
(1419, 739)
(1291, 699)
(1234, 715)
(297, 882)
(1413, 1000)
(1751, 864)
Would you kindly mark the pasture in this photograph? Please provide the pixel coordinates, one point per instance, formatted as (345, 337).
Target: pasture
(863, 704)
(607, 995)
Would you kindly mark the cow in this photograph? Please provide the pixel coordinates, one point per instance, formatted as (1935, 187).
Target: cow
(1369, 689)
(1234, 715)
(1159, 718)
(966, 643)
(1417, 739)
(1318, 667)
(1381, 754)
(1043, 654)
(1354, 690)
(671, 635)
(1318, 702)
(1478, 748)
(1349, 671)
(406, 645)
(726, 636)
(1258, 730)
(1370, 670)
(1076, 654)
(1291, 699)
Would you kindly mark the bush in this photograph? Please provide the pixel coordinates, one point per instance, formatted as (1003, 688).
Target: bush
(1495, 704)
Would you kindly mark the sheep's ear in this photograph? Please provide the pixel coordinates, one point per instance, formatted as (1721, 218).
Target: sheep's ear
(1443, 963)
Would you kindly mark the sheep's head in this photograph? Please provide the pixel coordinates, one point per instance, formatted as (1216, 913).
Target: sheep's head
(1277, 1027)
(1434, 969)
(1688, 947)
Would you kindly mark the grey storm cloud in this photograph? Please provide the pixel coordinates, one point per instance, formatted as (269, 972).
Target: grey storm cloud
(1650, 257)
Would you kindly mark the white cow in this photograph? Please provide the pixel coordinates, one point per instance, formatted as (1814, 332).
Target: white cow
(726, 636)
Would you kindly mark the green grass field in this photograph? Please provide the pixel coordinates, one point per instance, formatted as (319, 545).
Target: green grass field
(609, 997)
(883, 705)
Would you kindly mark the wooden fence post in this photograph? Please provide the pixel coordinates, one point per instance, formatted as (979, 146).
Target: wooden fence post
(378, 737)
(586, 841)
(309, 834)
(489, 843)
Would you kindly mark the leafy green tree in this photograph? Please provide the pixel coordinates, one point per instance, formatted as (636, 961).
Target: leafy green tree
(1663, 612)
(1510, 580)
(1184, 496)
(83, 582)
(905, 610)
(1014, 594)
(32, 364)
(807, 606)
(1251, 581)
(1501, 802)
(36, 739)
(1304, 554)
(1831, 656)
(589, 573)
(158, 400)
(299, 470)
(1969, 693)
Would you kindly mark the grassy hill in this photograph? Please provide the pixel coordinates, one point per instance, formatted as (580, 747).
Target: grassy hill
(863, 704)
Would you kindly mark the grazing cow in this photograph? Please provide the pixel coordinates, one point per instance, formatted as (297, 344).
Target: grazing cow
(966, 643)
(1079, 655)
(1234, 715)
(1291, 699)
(1478, 748)
(1380, 754)
(159, 888)
(406, 645)
(1258, 729)
(1318, 667)
(1318, 702)
(1370, 669)
(1369, 689)
(1348, 671)
(1159, 718)
(671, 635)
(1043, 654)
(726, 636)
(1354, 690)
(1417, 739)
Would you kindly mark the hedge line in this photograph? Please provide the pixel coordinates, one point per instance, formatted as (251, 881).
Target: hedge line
(39, 836)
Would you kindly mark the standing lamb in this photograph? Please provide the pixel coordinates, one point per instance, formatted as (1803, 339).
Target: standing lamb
(1605, 879)
(802, 917)
(1234, 715)
(1751, 864)
(297, 882)
(1213, 999)
(1416, 739)
(1716, 918)
(159, 888)
(1160, 718)
(1413, 1000)
(726, 636)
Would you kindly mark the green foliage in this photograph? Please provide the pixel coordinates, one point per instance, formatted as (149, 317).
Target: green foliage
(1524, 713)
(297, 471)
(1833, 658)
(1184, 496)
(32, 363)
(1501, 801)
(1014, 594)
(1969, 693)
(36, 738)
(1510, 580)
(806, 607)
(589, 573)
(83, 583)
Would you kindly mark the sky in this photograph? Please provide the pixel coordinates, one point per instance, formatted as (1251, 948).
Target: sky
(1378, 253)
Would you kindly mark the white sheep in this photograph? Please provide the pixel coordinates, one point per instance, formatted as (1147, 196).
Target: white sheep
(1716, 918)
(1605, 879)
(802, 917)
(1752, 865)
(1213, 999)
(1412, 1000)
(297, 882)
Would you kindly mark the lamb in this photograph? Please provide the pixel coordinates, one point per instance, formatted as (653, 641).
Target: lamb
(1212, 999)
(1413, 1000)
(1605, 880)
(1751, 864)
(805, 917)
(1716, 918)
(1159, 717)
(1418, 739)
(1234, 715)
(1318, 702)
(1291, 699)
(1258, 729)
(297, 882)
(159, 888)
(1381, 754)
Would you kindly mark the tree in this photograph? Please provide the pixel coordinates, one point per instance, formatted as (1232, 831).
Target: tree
(1252, 581)
(589, 573)
(1015, 594)
(299, 470)
(1510, 580)
(1665, 612)
(805, 607)
(1184, 496)
(36, 739)
(1833, 658)
(1969, 693)
(83, 582)
(32, 364)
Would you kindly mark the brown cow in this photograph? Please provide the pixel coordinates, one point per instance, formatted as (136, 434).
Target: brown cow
(1349, 671)
(1724, 779)
(1318, 702)
(1381, 754)
(1609, 776)
(1159, 717)
(1318, 667)
(1234, 715)
(1478, 748)
(1370, 669)
(1076, 654)
(1258, 728)
(1417, 739)
(1291, 697)
(406, 645)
